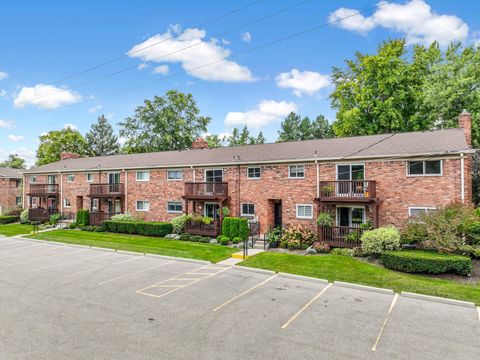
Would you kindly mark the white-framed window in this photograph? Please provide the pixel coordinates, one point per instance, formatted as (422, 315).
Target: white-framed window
(66, 203)
(174, 175)
(18, 200)
(142, 175)
(18, 183)
(89, 177)
(424, 168)
(254, 172)
(304, 211)
(95, 204)
(34, 201)
(350, 171)
(417, 211)
(248, 209)
(70, 178)
(296, 171)
(143, 205)
(32, 179)
(214, 175)
(174, 207)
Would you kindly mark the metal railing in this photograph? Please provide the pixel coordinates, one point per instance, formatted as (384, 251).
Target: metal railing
(43, 189)
(105, 190)
(347, 190)
(341, 236)
(96, 218)
(200, 228)
(206, 189)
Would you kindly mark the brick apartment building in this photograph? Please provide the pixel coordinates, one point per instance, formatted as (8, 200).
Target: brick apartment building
(382, 179)
(10, 189)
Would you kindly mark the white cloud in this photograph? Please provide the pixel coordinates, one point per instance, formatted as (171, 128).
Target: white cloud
(94, 109)
(142, 66)
(225, 42)
(3, 92)
(302, 82)
(70, 126)
(266, 112)
(45, 97)
(246, 36)
(4, 124)
(16, 138)
(3, 75)
(24, 153)
(193, 52)
(161, 69)
(415, 19)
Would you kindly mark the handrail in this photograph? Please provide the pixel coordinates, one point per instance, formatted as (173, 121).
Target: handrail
(347, 189)
(206, 189)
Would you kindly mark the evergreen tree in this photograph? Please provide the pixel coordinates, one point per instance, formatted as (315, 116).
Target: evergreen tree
(295, 128)
(14, 162)
(101, 140)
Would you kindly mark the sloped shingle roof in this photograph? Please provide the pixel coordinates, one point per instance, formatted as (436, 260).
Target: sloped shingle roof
(374, 146)
(10, 173)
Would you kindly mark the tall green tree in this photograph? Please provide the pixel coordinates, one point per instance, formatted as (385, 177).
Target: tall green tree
(14, 162)
(295, 128)
(55, 142)
(380, 93)
(243, 137)
(101, 140)
(170, 122)
(214, 141)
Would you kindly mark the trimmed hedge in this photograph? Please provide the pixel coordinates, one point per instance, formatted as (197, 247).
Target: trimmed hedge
(7, 219)
(83, 218)
(418, 261)
(233, 227)
(139, 227)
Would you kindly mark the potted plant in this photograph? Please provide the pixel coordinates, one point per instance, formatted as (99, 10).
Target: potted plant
(327, 190)
(273, 237)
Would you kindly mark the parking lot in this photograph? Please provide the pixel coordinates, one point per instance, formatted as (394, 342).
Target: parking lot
(67, 302)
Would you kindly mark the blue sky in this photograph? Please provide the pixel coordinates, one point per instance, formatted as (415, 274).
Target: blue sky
(44, 43)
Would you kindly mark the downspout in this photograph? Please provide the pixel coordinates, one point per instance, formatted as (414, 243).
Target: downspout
(239, 207)
(61, 192)
(318, 178)
(462, 177)
(125, 206)
(24, 197)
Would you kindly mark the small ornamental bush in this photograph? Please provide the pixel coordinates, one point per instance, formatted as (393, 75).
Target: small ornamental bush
(178, 223)
(83, 218)
(343, 252)
(236, 240)
(297, 237)
(413, 233)
(416, 261)
(7, 219)
(224, 240)
(73, 225)
(321, 247)
(139, 227)
(205, 239)
(375, 242)
(242, 229)
(54, 219)
(123, 217)
(24, 217)
(196, 238)
(185, 237)
(235, 227)
(325, 219)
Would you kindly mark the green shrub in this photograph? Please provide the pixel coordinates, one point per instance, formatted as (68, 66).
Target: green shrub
(24, 217)
(233, 227)
(100, 229)
(123, 217)
(88, 228)
(226, 226)
(470, 250)
(297, 237)
(325, 219)
(343, 252)
(321, 247)
(83, 218)
(417, 261)
(139, 227)
(185, 237)
(205, 239)
(178, 223)
(54, 219)
(73, 225)
(196, 238)
(236, 240)
(413, 233)
(7, 219)
(242, 229)
(224, 240)
(375, 242)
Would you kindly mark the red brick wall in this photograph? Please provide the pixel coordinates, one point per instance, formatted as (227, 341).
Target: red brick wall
(8, 193)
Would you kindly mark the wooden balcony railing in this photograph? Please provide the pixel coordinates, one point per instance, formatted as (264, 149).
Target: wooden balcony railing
(38, 214)
(199, 228)
(206, 190)
(348, 190)
(96, 218)
(106, 190)
(341, 236)
(43, 189)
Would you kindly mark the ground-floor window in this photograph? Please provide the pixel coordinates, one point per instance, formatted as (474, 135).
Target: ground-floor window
(350, 216)
(143, 205)
(211, 210)
(66, 203)
(415, 212)
(248, 209)
(174, 207)
(304, 211)
(18, 200)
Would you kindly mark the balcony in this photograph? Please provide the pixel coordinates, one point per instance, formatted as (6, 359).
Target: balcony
(348, 191)
(341, 236)
(43, 190)
(199, 228)
(96, 218)
(38, 214)
(106, 190)
(206, 190)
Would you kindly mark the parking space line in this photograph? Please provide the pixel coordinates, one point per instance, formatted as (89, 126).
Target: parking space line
(136, 272)
(178, 278)
(72, 261)
(478, 310)
(103, 267)
(47, 257)
(245, 292)
(297, 314)
(392, 305)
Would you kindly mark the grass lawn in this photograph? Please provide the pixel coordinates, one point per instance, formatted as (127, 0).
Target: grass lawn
(15, 229)
(349, 269)
(143, 244)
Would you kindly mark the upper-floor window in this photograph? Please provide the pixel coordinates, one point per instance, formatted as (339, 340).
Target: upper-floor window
(174, 174)
(18, 200)
(51, 179)
(66, 203)
(114, 178)
(248, 209)
(89, 177)
(296, 171)
(215, 175)
(174, 207)
(18, 183)
(304, 211)
(70, 177)
(32, 179)
(254, 173)
(424, 168)
(351, 172)
(143, 175)
(142, 205)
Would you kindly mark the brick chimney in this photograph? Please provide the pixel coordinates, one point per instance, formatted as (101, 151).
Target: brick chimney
(200, 143)
(465, 122)
(68, 155)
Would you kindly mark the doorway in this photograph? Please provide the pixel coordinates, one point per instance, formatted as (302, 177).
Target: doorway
(79, 202)
(211, 210)
(277, 214)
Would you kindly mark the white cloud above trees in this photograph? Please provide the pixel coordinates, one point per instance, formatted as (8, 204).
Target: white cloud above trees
(302, 82)
(45, 97)
(265, 113)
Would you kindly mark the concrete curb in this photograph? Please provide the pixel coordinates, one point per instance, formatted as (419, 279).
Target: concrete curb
(195, 261)
(130, 253)
(301, 277)
(259, 271)
(363, 287)
(102, 249)
(438, 299)
(160, 256)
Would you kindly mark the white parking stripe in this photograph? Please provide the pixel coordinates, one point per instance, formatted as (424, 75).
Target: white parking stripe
(284, 326)
(244, 293)
(136, 272)
(103, 267)
(73, 261)
(478, 310)
(392, 305)
(46, 257)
